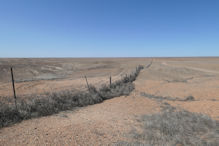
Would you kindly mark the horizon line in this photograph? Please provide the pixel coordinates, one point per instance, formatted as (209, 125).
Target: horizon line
(113, 57)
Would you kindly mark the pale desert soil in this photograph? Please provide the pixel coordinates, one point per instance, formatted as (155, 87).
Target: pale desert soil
(100, 124)
(112, 120)
(37, 76)
(168, 79)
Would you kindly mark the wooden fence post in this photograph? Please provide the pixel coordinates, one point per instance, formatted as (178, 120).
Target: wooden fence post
(12, 80)
(87, 83)
(110, 81)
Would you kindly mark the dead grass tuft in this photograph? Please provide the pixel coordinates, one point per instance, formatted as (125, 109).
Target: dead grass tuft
(176, 127)
(161, 98)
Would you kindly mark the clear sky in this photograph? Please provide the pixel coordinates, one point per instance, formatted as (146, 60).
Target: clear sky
(109, 28)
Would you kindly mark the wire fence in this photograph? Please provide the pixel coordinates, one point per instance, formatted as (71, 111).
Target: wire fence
(23, 85)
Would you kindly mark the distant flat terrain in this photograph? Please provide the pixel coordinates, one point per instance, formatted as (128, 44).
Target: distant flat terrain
(34, 76)
(169, 80)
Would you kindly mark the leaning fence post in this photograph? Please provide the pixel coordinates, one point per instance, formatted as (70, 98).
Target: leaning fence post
(110, 81)
(87, 83)
(12, 80)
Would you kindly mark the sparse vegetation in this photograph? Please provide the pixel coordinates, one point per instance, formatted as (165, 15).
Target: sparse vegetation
(189, 98)
(176, 127)
(55, 102)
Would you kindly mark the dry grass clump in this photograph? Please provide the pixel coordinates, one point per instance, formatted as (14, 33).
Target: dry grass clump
(120, 87)
(43, 106)
(176, 127)
(117, 89)
(54, 102)
(160, 98)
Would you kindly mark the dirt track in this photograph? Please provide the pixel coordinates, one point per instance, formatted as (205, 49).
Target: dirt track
(110, 121)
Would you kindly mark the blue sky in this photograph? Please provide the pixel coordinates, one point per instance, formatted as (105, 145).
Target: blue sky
(109, 28)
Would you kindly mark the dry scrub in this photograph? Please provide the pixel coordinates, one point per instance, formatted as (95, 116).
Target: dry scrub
(160, 98)
(66, 100)
(175, 127)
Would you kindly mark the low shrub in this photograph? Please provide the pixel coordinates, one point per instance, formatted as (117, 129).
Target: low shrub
(175, 127)
(160, 98)
(179, 128)
(65, 100)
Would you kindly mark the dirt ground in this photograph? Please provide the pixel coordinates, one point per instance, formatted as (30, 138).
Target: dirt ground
(109, 122)
(34, 76)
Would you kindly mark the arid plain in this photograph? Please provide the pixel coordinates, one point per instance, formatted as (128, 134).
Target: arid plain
(191, 84)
